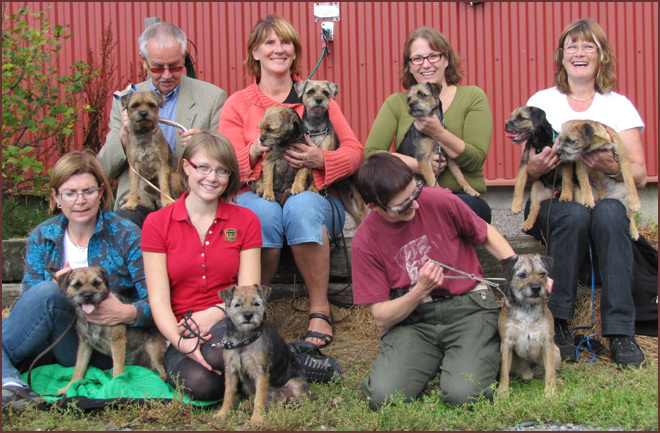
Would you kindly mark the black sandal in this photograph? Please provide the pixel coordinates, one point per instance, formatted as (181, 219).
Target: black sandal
(326, 338)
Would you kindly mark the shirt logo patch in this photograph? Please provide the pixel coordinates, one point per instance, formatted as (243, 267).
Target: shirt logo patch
(230, 235)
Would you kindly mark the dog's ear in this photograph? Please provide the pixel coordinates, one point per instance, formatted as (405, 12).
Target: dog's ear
(537, 116)
(159, 98)
(227, 294)
(587, 133)
(507, 266)
(333, 88)
(435, 89)
(124, 100)
(297, 128)
(547, 262)
(104, 275)
(63, 281)
(264, 291)
(299, 87)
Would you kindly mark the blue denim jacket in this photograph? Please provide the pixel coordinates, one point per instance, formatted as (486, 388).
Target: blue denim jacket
(115, 246)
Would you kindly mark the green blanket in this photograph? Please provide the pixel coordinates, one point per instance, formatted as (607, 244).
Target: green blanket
(136, 382)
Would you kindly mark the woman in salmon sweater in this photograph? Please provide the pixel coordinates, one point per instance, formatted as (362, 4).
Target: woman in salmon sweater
(307, 220)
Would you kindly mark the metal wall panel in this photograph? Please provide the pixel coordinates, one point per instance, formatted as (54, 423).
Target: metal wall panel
(507, 48)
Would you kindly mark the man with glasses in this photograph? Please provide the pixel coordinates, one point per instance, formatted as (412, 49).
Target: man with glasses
(434, 320)
(194, 104)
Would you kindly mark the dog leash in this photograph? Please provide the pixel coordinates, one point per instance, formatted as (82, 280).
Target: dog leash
(473, 277)
(224, 343)
(585, 344)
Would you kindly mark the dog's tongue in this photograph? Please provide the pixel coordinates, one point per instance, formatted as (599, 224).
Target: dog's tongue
(516, 136)
(87, 308)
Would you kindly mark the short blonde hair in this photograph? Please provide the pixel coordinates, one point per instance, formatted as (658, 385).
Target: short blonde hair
(261, 31)
(437, 41)
(79, 162)
(587, 30)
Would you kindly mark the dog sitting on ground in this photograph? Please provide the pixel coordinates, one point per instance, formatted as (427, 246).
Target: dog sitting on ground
(148, 153)
(316, 97)
(526, 324)
(579, 137)
(424, 101)
(256, 354)
(86, 288)
(280, 128)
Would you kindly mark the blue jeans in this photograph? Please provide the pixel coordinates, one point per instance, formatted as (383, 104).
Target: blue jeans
(38, 318)
(573, 230)
(300, 220)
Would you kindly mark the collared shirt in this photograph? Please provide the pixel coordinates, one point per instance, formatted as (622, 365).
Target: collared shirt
(168, 111)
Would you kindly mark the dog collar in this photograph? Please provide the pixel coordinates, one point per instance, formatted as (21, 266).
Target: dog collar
(230, 345)
(314, 134)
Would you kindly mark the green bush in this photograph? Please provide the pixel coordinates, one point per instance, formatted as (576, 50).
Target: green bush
(20, 215)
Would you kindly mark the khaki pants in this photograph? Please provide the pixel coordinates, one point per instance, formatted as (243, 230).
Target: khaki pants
(457, 337)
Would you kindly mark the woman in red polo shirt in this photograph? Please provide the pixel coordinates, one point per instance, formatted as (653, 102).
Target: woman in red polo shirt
(192, 249)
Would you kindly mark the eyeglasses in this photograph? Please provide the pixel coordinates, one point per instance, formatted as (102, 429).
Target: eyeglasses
(587, 48)
(161, 69)
(205, 169)
(405, 206)
(72, 195)
(432, 58)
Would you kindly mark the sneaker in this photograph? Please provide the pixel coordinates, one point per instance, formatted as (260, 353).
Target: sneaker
(625, 352)
(19, 397)
(564, 341)
(316, 366)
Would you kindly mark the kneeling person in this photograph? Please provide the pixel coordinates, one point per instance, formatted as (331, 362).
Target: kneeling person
(432, 323)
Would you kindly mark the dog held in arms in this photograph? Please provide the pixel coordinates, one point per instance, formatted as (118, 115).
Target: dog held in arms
(316, 97)
(579, 137)
(86, 288)
(256, 354)
(526, 324)
(424, 101)
(280, 128)
(148, 153)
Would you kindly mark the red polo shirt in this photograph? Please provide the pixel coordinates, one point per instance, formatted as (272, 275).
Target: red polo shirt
(198, 271)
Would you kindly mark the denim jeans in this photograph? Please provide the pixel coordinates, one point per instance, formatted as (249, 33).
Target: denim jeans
(300, 220)
(38, 318)
(573, 230)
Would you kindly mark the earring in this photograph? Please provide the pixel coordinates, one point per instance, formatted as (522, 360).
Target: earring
(59, 206)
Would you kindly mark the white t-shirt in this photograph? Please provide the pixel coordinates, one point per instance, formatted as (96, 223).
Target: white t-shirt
(77, 257)
(612, 109)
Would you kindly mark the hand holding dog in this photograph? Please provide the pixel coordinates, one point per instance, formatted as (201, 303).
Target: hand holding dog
(540, 164)
(601, 160)
(431, 126)
(112, 312)
(187, 135)
(308, 155)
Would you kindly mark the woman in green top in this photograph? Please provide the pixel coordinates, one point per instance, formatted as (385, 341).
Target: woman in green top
(429, 57)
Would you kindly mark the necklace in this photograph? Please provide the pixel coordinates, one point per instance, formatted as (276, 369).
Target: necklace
(73, 238)
(582, 100)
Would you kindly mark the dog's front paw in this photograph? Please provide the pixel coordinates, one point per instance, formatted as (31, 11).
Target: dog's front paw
(129, 205)
(516, 207)
(270, 196)
(166, 201)
(256, 420)
(220, 416)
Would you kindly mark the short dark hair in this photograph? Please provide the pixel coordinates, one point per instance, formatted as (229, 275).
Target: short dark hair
(381, 177)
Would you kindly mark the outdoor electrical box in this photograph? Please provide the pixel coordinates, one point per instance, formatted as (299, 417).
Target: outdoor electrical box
(327, 13)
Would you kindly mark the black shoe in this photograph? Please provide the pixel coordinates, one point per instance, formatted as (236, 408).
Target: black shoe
(625, 352)
(564, 341)
(14, 397)
(316, 366)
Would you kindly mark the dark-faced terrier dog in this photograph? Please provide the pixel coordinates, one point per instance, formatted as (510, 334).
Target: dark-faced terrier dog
(526, 324)
(423, 101)
(579, 137)
(529, 125)
(86, 288)
(256, 354)
(316, 97)
(148, 153)
(281, 127)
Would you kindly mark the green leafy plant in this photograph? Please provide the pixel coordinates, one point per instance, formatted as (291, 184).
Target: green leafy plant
(39, 105)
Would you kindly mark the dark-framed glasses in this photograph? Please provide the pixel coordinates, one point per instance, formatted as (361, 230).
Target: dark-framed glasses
(205, 169)
(432, 58)
(161, 69)
(72, 195)
(586, 47)
(405, 206)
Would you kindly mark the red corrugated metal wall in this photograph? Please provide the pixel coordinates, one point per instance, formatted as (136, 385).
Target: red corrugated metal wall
(507, 48)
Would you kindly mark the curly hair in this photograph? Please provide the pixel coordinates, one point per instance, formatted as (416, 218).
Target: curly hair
(261, 31)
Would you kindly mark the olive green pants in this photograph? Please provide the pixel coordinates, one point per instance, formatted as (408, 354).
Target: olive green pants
(457, 337)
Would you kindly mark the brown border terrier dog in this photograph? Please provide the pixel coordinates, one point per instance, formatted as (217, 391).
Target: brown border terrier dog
(256, 354)
(280, 128)
(579, 137)
(86, 288)
(316, 97)
(424, 101)
(526, 324)
(148, 154)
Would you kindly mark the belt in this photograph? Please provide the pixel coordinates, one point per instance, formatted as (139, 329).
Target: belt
(436, 298)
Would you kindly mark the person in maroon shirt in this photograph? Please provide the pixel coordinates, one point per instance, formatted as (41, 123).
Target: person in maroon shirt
(192, 249)
(432, 322)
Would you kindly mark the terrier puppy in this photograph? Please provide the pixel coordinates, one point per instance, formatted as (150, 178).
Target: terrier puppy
(423, 101)
(280, 128)
(86, 288)
(256, 354)
(526, 324)
(579, 137)
(148, 153)
(316, 97)
(529, 125)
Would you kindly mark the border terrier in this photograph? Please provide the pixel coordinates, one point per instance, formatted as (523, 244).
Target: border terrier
(256, 354)
(148, 153)
(579, 137)
(526, 324)
(316, 97)
(280, 128)
(423, 101)
(86, 288)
